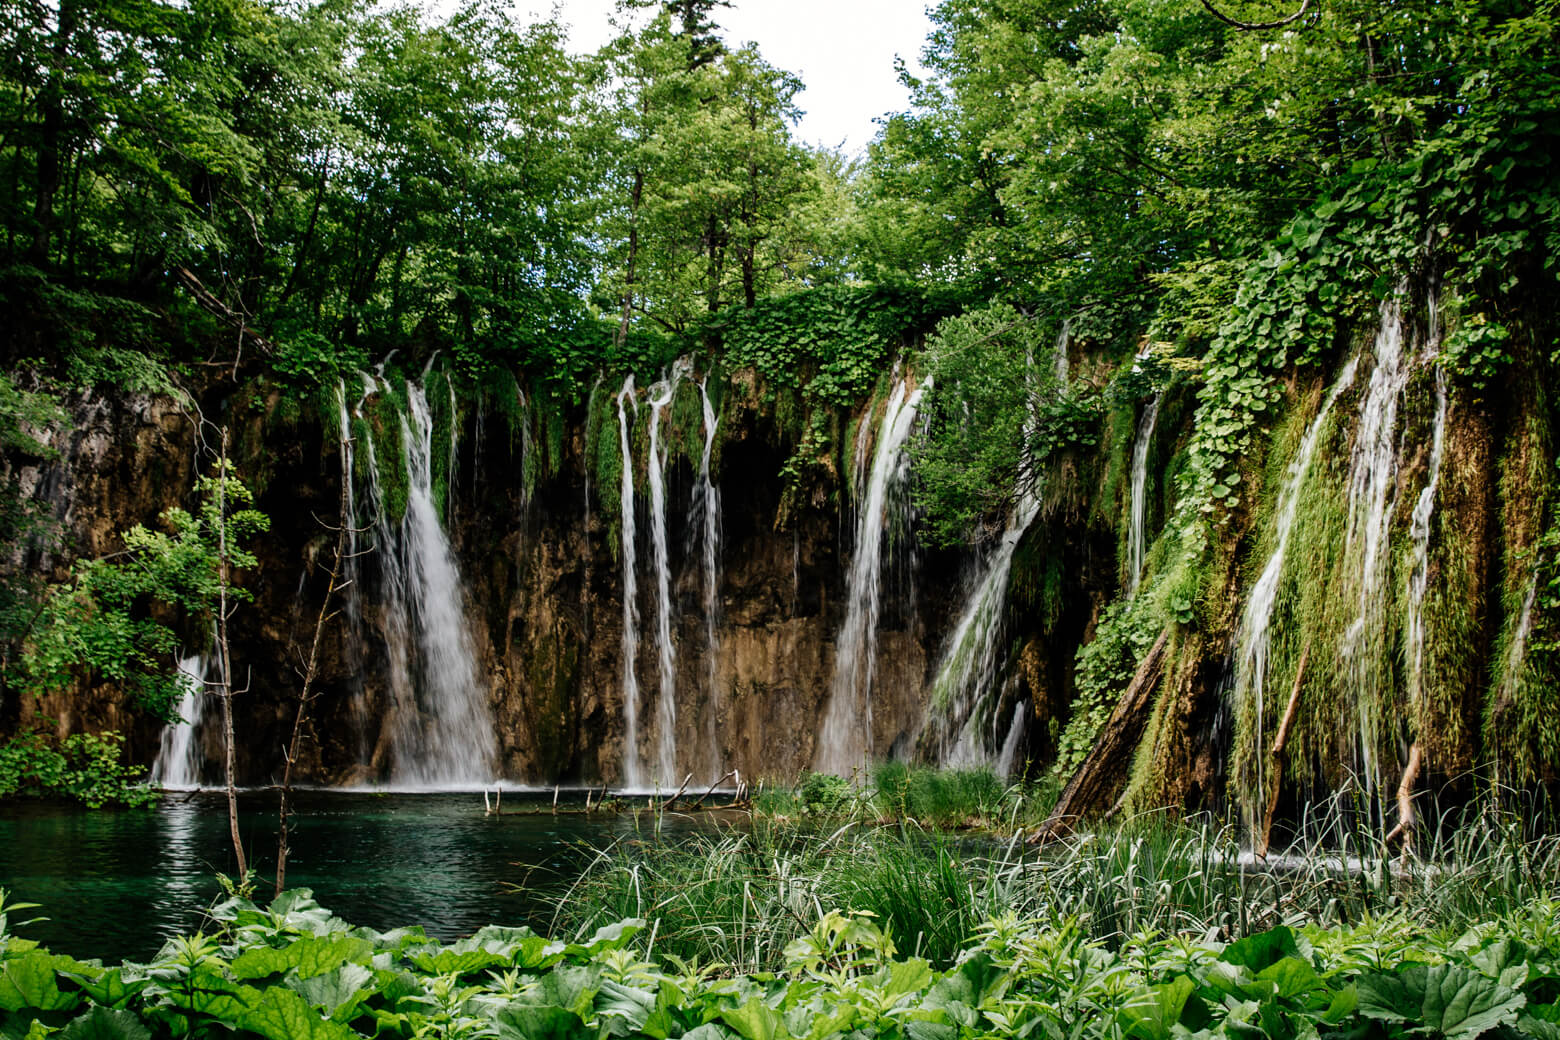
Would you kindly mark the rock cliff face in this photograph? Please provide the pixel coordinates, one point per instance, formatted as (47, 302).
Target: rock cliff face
(542, 591)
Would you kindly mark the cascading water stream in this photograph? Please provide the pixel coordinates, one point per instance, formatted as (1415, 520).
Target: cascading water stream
(451, 740)
(179, 759)
(1137, 539)
(963, 694)
(395, 612)
(1373, 470)
(1253, 635)
(661, 395)
(633, 771)
(845, 739)
(704, 518)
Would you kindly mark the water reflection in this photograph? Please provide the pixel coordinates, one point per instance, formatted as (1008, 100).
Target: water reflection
(118, 884)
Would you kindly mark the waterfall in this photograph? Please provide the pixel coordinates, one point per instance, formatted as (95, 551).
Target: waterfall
(1372, 488)
(1252, 635)
(395, 612)
(1419, 538)
(179, 760)
(661, 395)
(451, 740)
(845, 740)
(1007, 758)
(704, 518)
(964, 693)
(1136, 536)
(633, 772)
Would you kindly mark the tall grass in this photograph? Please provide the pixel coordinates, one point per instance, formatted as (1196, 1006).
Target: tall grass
(894, 792)
(741, 897)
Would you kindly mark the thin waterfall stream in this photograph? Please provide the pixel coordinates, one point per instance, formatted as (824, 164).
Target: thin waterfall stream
(1137, 539)
(633, 769)
(661, 395)
(845, 738)
(180, 762)
(704, 518)
(1253, 634)
(1372, 492)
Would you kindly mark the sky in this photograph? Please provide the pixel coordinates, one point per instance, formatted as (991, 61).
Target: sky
(843, 50)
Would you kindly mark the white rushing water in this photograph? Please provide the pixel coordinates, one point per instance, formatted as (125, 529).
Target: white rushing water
(1137, 536)
(704, 518)
(961, 712)
(395, 612)
(450, 740)
(845, 738)
(1372, 493)
(180, 761)
(661, 395)
(633, 769)
(1252, 636)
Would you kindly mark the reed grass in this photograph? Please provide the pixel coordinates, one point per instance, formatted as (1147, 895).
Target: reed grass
(738, 898)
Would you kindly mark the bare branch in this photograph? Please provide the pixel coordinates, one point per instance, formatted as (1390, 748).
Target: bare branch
(1257, 26)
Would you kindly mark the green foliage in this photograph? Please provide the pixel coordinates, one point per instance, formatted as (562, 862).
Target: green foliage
(104, 620)
(85, 767)
(1114, 935)
(938, 797)
(1105, 667)
(823, 792)
(830, 343)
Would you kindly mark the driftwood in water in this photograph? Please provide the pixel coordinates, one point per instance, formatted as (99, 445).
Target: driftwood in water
(733, 774)
(668, 803)
(1278, 755)
(1103, 772)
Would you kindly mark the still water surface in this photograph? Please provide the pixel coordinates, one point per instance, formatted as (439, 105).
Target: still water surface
(116, 885)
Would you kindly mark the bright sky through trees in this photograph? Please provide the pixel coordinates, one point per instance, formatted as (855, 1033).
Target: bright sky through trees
(844, 51)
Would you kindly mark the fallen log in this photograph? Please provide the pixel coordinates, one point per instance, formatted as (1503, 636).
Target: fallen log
(1102, 775)
(1278, 756)
(1405, 801)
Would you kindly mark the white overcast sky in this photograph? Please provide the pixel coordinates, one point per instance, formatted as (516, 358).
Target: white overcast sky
(844, 51)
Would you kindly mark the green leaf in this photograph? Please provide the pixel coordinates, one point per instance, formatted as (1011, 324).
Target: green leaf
(103, 1023)
(611, 937)
(29, 981)
(1447, 998)
(755, 1020)
(112, 988)
(283, 1015)
(338, 992)
(629, 1007)
(309, 956)
(1259, 952)
(527, 1022)
(1149, 1015)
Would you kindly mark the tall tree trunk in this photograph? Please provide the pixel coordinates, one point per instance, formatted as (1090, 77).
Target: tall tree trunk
(225, 661)
(51, 134)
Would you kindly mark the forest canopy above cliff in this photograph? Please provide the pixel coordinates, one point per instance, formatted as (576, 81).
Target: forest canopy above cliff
(340, 179)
